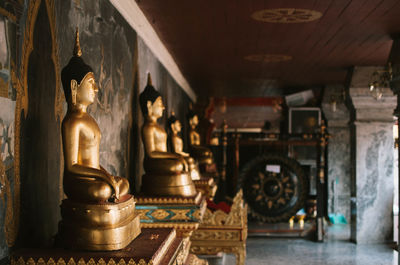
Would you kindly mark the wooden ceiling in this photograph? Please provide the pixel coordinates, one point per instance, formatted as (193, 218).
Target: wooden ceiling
(210, 39)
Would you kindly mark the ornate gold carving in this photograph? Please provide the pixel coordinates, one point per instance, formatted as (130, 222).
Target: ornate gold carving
(183, 253)
(181, 215)
(80, 261)
(199, 215)
(160, 214)
(154, 236)
(222, 232)
(169, 200)
(194, 260)
(183, 229)
(216, 235)
(236, 217)
(268, 58)
(286, 15)
(206, 186)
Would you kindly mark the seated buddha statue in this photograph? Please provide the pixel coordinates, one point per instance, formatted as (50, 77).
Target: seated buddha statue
(98, 213)
(84, 179)
(177, 146)
(166, 172)
(201, 153)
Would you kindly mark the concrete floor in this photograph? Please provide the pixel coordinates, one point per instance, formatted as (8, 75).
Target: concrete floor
(337, 250)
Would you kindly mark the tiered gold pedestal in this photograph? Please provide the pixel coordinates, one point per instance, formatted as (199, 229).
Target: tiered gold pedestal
(222, 232)
(159, 246)
(101, 226)
(207, 186)
(182, 213)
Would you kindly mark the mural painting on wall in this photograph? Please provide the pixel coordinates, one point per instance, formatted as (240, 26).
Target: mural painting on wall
(107, 44)
(4, 61)
(7, 112)
(110, 108)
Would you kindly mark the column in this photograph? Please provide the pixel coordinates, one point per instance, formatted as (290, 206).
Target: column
(372, 160)
(338, 153)
(394, 59)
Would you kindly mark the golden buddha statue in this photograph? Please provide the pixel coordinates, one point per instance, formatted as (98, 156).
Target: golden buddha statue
(177, 146)
(98, 213)
(201, 153)
(166, 173)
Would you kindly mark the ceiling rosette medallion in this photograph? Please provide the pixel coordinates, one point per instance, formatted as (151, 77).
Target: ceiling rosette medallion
(286, 15)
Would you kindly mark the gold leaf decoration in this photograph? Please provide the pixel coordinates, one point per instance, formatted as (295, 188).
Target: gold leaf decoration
(160, 214)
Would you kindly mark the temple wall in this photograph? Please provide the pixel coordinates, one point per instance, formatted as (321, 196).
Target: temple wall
(108, 46)
(120, 61)
(7, 134)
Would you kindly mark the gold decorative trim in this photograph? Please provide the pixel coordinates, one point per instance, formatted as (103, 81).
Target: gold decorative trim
(19, 79)
(222, 232)
(286, 15)
(169, 200)
(206, 186)
(80, 261)
(268, 58)
(182, 229)
(194, 260)
(237, 216)
(178, 225)
(217, 235)
(205, 181)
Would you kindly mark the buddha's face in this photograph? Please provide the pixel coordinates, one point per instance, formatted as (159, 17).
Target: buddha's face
(87, 89)
(156, 109)
(194, 120)
(176, 126)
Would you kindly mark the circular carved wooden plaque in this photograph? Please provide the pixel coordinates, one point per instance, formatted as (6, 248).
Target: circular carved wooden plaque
(286, 15)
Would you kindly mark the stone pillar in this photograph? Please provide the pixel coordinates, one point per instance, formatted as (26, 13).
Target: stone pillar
(372, 161)
(338, 152)
(394, 59)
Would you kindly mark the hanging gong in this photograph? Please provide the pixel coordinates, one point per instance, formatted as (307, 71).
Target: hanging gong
(275, 187)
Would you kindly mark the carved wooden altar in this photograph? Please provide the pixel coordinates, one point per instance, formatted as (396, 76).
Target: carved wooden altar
(223, 232)
(207, 186)
(153, 246)
(182, 213)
